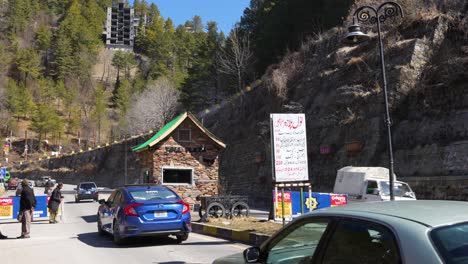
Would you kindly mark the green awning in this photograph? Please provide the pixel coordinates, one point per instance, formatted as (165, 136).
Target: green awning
(168, 127)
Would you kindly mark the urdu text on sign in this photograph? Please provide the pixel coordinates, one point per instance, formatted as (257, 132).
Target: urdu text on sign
(290, 147)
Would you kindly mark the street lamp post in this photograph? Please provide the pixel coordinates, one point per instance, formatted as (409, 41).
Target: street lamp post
(371, 15)
(125, 176)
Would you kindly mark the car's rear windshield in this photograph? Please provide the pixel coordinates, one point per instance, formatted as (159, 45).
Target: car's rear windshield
(452, 242)
(144, 195)
(87, 186)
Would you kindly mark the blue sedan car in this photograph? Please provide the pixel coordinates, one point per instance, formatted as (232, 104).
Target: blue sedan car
(144, 210)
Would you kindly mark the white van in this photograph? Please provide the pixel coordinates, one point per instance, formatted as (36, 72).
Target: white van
(365, 184)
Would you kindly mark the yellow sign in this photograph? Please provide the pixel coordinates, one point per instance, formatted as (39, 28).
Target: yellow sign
(6, 208)
(287, 205)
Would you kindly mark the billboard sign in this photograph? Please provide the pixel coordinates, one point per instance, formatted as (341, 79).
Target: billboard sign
(289, 144)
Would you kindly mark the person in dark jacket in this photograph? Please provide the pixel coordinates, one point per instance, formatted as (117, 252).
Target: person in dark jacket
(54, 203)
(27, 204)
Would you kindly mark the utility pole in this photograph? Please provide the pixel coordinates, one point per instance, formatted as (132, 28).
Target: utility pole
(125, 179)
(26, 145)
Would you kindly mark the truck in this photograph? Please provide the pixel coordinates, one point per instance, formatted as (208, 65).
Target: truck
(367, 184)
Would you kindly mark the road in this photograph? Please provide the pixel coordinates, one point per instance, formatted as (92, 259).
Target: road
(75, 240)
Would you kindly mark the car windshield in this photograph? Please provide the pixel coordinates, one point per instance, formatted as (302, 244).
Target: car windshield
(452, 242)
(152, 194)
(88, 186)
(400, 189)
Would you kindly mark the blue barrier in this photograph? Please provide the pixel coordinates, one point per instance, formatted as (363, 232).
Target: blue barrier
(292, 202)
(9, 207)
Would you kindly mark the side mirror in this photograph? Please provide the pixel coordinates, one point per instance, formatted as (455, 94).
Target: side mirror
(252, 254)
(102, 201)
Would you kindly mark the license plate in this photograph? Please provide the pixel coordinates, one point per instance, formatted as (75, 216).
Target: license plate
(160, 214)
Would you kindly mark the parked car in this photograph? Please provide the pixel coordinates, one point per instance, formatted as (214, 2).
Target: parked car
(85, 191)
(13, 183)
(42, 181)
(144, 210)
(378, 232)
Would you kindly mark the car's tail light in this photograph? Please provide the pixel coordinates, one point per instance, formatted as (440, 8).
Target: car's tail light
(97, 193)
(129, 210)
(186, 207)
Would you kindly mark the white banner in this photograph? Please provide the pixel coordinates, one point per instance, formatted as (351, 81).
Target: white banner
(289, 143)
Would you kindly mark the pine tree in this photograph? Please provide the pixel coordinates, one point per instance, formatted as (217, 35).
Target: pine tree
(122, 97)
(99, 112)
(45, 120)
(28, 63)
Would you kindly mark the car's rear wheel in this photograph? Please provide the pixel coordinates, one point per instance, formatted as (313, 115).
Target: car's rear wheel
(118, 240)
(181, 238)
(99, 225)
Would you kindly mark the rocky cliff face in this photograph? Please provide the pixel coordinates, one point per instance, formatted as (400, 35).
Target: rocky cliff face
(339, 90)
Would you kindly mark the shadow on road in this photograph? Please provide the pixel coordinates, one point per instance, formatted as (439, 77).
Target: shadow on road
(73, 202)
(105, 241)
(90, 218)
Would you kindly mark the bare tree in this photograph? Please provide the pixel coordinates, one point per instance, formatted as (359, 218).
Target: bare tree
(235, 56)
(154, 107)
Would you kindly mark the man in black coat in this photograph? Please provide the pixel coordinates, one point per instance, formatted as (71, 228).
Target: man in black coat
(27, 204)
(54, 203)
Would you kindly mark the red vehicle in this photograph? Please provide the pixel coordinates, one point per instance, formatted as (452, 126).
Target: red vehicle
(13, 183)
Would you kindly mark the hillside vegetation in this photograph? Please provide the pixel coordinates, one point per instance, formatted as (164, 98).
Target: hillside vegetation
(59, 83)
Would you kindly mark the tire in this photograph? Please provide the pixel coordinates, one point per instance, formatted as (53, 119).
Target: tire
(99, 226)
(118, 240)
(215, 210)
(240, 209)
(182, 238)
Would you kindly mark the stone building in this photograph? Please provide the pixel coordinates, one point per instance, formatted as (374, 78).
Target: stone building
(182, 155)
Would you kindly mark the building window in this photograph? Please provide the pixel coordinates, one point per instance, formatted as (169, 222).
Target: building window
(177, 176)
(185, 134)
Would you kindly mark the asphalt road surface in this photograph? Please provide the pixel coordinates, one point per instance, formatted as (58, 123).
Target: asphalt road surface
(75, 240)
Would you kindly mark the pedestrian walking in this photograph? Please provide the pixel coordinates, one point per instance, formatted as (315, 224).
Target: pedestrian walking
(54, 203)
(48, 187)
(27, 204)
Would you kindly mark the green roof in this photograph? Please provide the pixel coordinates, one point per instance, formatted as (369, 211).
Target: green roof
(160, 133)
(171, 126)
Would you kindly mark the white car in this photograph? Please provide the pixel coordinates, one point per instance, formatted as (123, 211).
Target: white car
(41, 182)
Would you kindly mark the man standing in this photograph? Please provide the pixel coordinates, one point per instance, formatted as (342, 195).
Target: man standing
(27, 204)
(54, 203)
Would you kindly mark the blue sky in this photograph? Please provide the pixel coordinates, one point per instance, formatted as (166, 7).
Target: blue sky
(225, 12)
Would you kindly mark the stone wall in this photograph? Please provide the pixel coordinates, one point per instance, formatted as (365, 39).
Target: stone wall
(105, 166)
(439, 187)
